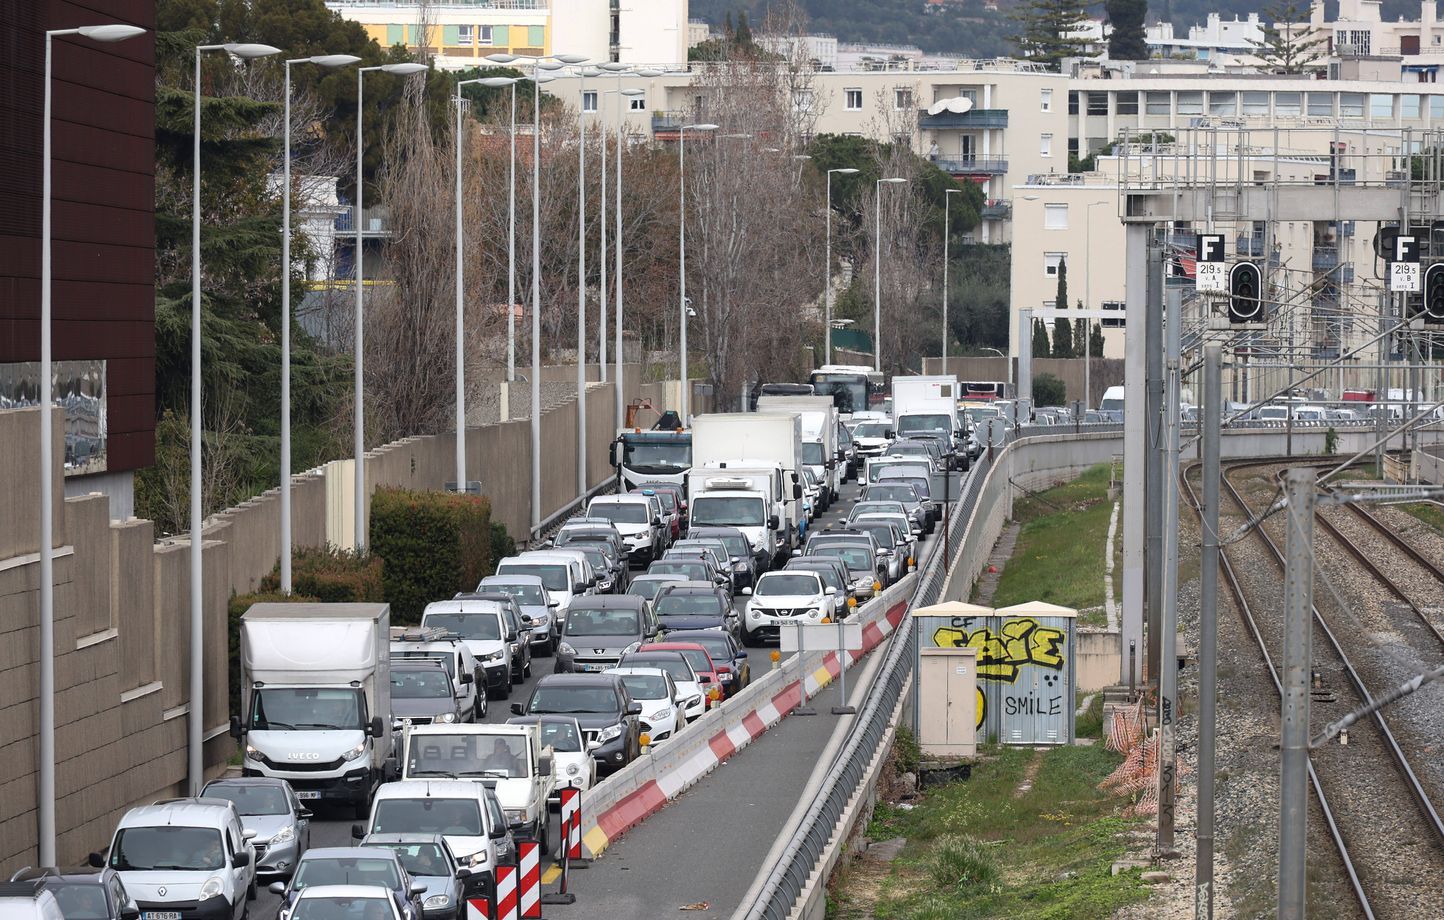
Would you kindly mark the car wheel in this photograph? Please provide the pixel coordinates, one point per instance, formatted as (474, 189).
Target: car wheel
(517, 673)
(526, 671)
(747, 638)
(478, 709)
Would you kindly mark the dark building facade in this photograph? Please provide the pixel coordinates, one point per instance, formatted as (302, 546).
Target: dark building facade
(103, 231)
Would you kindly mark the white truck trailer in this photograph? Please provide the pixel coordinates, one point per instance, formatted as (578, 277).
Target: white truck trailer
(820, 449)
(746, 442)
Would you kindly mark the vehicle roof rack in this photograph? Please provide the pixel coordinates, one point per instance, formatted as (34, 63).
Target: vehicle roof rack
(420, 634)
(25, 889)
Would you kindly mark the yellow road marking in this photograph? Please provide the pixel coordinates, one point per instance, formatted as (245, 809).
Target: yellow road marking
(553, 873)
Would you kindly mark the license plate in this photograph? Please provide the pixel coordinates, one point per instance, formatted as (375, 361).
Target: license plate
(591, 667)
(160, 915)
(300, 794)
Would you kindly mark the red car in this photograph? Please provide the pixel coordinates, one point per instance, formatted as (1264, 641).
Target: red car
(700, 661)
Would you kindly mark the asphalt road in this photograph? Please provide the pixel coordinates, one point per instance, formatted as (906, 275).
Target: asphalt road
(792, 756)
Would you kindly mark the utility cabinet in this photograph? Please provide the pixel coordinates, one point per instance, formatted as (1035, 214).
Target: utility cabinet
(947, 711)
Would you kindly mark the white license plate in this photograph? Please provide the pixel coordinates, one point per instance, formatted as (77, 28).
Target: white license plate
(160, 915)
(300, 794)
(591, 667)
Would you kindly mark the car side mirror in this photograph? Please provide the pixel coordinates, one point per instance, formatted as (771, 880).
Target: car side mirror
(579, 588)
(554, 604)
(527, 621)
(746, 590)
(741, 654)
(241, 860)
(796, 490)
(634, 709)
(518, 709)
(465, 677)
(830, 591)
(417, 888)
(357, 832)
(511, 635)
(773, 523)
(463, 872)
(378, 728)
(276, 888)
(305, 814)
(656, 522)
(96, 861)
(498, 832)
(889, 434)
(703, 679)
(544, 765)
(238, 728)
(593, 745)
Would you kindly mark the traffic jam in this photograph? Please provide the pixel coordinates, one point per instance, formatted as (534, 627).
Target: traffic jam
(388, 772)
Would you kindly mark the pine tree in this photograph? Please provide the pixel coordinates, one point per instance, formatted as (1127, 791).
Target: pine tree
(1040, 339)
(1290, 44)
(1126, 40)
(1050, 30)
(1062, 338)
(1060, 298)
(1080, 335)
(744, 31)
(1095, 341)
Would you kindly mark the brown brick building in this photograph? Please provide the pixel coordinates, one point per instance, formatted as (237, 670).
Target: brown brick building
(103, 218)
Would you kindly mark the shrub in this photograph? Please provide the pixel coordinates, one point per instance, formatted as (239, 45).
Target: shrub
(502, 545)
(325, 573)
(960, 862)
(239, 604)
(432, 545)
(1048, 390)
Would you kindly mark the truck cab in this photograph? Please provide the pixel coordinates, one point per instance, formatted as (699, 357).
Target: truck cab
(510, 760)
(652, 456)
(728, 495)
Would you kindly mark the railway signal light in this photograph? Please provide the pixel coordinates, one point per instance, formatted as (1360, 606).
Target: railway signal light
(1245, 293)
(1433, 311)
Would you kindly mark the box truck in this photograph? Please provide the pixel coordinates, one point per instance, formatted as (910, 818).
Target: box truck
(747, 442)
(651, 456)
(928, 407)
(316, 699)
(820, 449)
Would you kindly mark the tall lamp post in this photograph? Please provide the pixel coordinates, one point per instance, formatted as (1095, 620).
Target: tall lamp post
(195, 720)
(877, 270)
(827, 284)
(947, 257)
(582, 276)
(359, 506)
(45, 785)
(498, 83)
(322, 60)
(623, 96)
(686, 385)
(537, 65)
(1088, 293)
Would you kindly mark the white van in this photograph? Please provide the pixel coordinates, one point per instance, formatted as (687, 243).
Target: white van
(638, 519)
(1112, 400)
(561, 575)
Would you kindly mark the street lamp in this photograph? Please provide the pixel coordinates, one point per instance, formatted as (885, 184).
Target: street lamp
(947, 257)
(619, 357)
(497, 83)
(1088, 293)
(45, 785)
(616, 69)
(877, 271)
(195, 721)
(322, 60)
(682, 242)
(359, 506)
(827, 284)
(582, 275)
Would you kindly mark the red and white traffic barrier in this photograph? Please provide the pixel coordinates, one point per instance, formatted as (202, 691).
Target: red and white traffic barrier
(572, 822)
(529, 860)
(506, 893)
(478, 909)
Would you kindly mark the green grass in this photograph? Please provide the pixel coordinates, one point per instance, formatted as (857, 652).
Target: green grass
(1059, 556)
(1432, 515)
(1090, 723)
(979, 850)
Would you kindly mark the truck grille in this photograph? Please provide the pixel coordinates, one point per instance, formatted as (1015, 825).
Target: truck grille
(303, 766)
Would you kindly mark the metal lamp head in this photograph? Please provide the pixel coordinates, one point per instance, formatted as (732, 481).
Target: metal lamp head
(590, 72)
(249, 50)
(544, 78)
(651, 72)
(110, 33)
(615, 66)
(334, 60)
(403, 69)
(708, 126)
(549, 65)
(892, 181)
(633, 91)
(570, 58)
(846, 171)
(498, 82)
(501, 57)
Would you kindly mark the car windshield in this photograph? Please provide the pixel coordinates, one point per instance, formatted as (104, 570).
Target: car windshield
(727, 512)
(249, 799)
(80, 901)
(669, 500)
(883, 533)
(466, 625)
(981, 413)
(911, 424)
(407, 684)
(645, 686)
(856, 560)
(695, 571)
(574, 699)
(674, 603)
(465, 754)
(588, 622)
(347, 870)
(828, 575)
(776, 585)
(812, 453)
(878, 507)
(671, 662)
(595, 555)
(555, 577)
(419, 859)
(524, 594)
(658, 456)
(697, 658)
(716, 644)
(736, 545)
(292, 708)
(621, 512)
(871, 430)
(343, 909)
(562, 736)
(848, 391)
(458, 817)
(894, 492)
(645, 588)
(140, 849)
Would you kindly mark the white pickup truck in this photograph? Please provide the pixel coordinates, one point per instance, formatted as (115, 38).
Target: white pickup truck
(509, 759)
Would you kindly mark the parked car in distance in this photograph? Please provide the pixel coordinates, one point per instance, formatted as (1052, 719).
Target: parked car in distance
(647, 586)
(691, 686)
(469, 676)
(600, 629)
(572, 759)
(696, 655)
(28, 901)
(744, 568)
(421, 693)
(351, 902)
(269, 807)
(784, 598)
(600, 704)
(463, 811)
(531, 599)
(638, 519)
(693, 605)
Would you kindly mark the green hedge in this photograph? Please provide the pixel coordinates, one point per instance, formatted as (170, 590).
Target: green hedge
(239, 604)
(432, 545)
(336, 576)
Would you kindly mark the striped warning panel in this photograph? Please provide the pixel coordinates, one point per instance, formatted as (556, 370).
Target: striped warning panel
(529, 863)
(506, 893)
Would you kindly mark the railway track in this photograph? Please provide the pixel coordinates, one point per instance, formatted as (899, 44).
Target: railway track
(1379, 848)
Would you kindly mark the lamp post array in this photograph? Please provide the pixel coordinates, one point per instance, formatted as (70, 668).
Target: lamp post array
(877, 271)
(686, 384)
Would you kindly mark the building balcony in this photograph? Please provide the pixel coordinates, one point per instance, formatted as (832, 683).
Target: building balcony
(976, 118)
(972, 166)
(997, 209)
(375, 221)
(668, 122)
(1326, 258)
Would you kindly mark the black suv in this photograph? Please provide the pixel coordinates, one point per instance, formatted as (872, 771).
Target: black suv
(611, 722)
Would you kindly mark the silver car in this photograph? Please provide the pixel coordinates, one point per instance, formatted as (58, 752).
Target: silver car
(428, 860)
(270, 808)
(530, 595)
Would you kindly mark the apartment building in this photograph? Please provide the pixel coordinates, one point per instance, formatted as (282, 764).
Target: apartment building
(461, 33)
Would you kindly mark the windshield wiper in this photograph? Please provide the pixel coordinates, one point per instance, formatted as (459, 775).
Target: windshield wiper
(446, 773)
(334, 728)
(271, 725)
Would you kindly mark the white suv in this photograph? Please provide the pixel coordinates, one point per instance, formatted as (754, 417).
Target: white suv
(638, 519)
(783, 599)
(184, 859)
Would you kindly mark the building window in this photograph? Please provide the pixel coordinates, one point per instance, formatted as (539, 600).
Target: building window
(1255, 103)
(1045, 145)
(484, 35)
(854, 100)
(638, 103)
(1351, 105)
(1321, 104)
(1222, 103)
(1288, 105)
(1073, 103)
(1117, 305)
(1050, 304)
(1409, 106)
(902, 99)
(1190, 102)
(1045, 100)
(1158, 103)
(464, 35)
(1055, 217)
(1097, 103)
(536, 36)
(1126, 103)
(1051, 261)
(1436, 107)
(589, 101)
(1381, 105)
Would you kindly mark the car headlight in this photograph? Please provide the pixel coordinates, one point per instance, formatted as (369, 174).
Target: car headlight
(610, 732)
(478, 858)
(566, 648)
(498, 655)
(212, 888)
(657, 716)
(515, 815)
(811, 612)
(573, 770)
(447, 717)
(437, 902)
(355, 752)
(740, 567)
(284, 834)
(253, 752)
(632, 648)
(691, 701)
